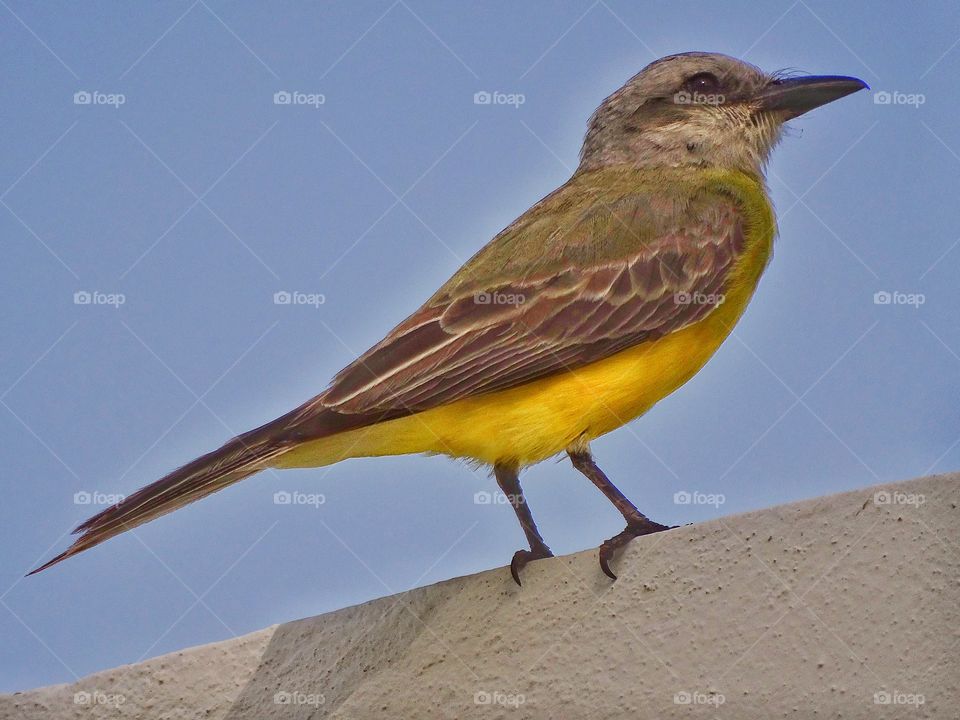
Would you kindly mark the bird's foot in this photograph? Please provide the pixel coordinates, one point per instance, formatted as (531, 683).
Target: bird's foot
(633, 529)
(522, 557)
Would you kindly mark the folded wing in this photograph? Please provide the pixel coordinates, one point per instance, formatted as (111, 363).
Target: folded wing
(555, 319)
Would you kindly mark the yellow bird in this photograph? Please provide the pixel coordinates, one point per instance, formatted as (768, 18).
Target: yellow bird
(600, 300)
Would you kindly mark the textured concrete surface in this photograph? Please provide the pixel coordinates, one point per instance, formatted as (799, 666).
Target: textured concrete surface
(841, 607)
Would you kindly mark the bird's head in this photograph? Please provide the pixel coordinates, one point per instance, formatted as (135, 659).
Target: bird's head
(703, 110)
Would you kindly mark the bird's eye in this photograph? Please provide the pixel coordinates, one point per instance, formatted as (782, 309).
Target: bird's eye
(704, 83)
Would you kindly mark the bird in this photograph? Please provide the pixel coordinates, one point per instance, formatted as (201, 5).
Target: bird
(596, 303)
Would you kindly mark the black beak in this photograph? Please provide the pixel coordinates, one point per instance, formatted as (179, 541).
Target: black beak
(794, 96)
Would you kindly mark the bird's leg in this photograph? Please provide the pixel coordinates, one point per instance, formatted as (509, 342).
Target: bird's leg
(508, 478)
(637, 523)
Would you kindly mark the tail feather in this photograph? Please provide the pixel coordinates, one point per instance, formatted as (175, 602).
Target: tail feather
(242, 456)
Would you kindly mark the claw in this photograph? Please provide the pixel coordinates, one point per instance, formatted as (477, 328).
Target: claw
(522, 557)
(609, 547)
(606, 555)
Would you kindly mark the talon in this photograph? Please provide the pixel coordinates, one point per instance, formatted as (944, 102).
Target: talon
(522, 557)
(636, 529)
(606, 554)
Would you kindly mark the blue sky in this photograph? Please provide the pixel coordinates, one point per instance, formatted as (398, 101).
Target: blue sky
(181, 198)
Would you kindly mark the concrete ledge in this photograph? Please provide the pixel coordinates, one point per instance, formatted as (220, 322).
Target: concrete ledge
(845, 606)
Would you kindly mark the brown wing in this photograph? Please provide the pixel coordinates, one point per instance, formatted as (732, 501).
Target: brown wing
(554, 320)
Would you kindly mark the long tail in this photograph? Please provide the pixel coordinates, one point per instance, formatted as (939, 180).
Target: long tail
(240, 457)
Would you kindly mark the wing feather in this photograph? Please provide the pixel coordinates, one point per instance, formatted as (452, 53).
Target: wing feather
(498, 335)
